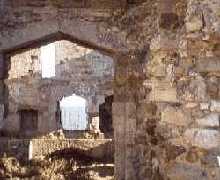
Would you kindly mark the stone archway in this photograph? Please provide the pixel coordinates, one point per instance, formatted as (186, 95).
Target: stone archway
(49, 38)
(166, 97)
(121, 96)
(86, 65)
(128, 82)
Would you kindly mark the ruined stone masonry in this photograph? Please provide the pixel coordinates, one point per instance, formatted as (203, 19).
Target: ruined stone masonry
(78, 70)
(166, 89)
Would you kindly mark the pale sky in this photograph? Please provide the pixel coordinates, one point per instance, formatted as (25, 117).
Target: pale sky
(47, 56)
(73, 101)
(73, 113)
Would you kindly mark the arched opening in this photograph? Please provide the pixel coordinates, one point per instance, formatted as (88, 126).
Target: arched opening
(59, 87)
(45, 77)
(73, 113)
(85, 29)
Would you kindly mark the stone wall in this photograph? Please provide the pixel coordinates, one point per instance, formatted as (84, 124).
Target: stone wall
(96, 148)
(79, 71)
(20, 148)
(181, 122)
(169, 126)
(166, 92)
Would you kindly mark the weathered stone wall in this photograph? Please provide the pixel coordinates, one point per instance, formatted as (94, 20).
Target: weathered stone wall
(97, 148)
(171, 127)
(181, 123)
(15, 147)
(90, 72)
(79, 70)
(38, 19)
(24, 64)
(166, 92)
(20, 148)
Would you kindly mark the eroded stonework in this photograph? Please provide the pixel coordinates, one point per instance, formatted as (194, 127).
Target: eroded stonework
(166, 86)
(78, 70)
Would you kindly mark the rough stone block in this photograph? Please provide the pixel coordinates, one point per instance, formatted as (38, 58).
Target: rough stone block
(191, 105)
(204, 106)
(28, 95)
(211, 120)
(146, 110)
(12, 123)
(131, 110)
(169, 18)
(118, 109)
(158, 70)
(163, 92)
(209, 64)
(95, 123)
(203, 138)
(166, 6)
(195, 24)
(183, 171)
(163, 43)
(215, 106)
(175, 116)
(169, 21)
(193, 90)
(211, 158)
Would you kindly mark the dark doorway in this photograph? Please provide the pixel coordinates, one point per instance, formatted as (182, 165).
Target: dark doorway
(105, 115)
(28, 122)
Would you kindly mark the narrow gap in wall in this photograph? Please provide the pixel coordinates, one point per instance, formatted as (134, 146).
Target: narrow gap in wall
(105, 116)
(28, 121)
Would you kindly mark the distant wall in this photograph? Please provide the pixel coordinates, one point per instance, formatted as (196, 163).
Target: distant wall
(97, 148)
(79, 70)
(14, 147)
